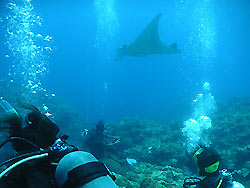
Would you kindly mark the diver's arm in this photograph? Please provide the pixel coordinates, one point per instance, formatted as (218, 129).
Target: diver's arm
(110, 136)
(116, 142)
(112, 143)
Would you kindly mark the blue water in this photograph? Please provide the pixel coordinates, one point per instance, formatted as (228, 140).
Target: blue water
(214, 38)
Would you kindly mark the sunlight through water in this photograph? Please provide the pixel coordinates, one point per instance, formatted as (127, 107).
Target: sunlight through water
(107, 23)
(199, 50)
(107, 29)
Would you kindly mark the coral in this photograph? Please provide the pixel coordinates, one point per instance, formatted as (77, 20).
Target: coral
(152, 176)
(114, 166)
(149, 141)
(231, 124)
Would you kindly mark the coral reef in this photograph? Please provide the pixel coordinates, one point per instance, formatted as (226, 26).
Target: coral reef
(231, 134)
(149, 141)
(160, 145)
(143, 175)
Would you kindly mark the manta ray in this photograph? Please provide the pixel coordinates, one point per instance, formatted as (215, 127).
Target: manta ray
(147, 43)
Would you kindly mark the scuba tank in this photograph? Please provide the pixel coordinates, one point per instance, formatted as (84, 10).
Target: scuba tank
(82, 170)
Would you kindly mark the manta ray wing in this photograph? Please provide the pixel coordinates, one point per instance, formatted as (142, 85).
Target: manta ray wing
(148, 41)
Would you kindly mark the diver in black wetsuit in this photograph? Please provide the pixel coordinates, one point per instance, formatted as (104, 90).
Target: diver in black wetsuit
(207, 162)
(39, 129)
(96, 141)
(41, 132)
(76, 169)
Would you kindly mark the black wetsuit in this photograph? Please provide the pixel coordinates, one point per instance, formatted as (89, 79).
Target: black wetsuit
(214, 181)
(95, 143)
(34, 174)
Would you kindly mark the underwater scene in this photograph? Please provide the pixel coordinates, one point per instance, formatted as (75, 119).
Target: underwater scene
(123, 93)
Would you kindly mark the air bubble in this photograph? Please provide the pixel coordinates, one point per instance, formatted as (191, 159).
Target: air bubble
(27, 48)
(45, 108)
(48, 114)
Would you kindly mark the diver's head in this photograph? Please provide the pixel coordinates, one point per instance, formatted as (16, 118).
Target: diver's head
(207, 161)
(38, 120)
(121, 52)
(33, 118)
(100, 128)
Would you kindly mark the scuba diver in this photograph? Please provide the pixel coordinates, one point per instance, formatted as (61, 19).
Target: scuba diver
(41, 155)
(28, 139)
(96, 141)
(38, 128)
(207, 162)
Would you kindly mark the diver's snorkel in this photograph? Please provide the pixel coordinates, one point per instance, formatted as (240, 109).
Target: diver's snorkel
(7, 108)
